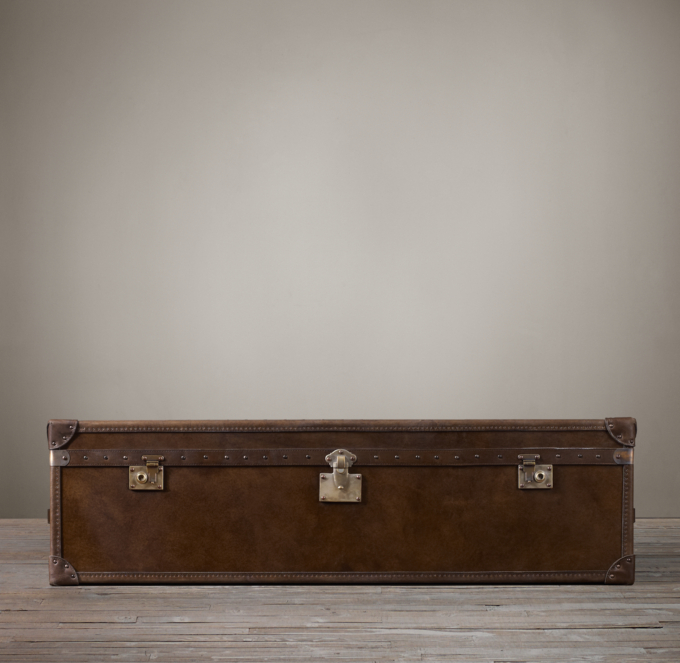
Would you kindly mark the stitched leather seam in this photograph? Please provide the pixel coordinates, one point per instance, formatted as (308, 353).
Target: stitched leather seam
(302, 429)
(490, 575)
(624, 542)
(57, 511)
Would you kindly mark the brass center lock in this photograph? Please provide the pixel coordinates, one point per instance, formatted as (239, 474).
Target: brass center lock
(531, 476)
(340, 486)
(149, 476)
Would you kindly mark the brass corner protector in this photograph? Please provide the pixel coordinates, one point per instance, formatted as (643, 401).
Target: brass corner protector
(60, 432)
(622, 429)
(622, 571)
(61, 572)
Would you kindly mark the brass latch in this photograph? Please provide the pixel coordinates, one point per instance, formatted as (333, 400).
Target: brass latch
(341, 486)
(532, 476)
(149, 476)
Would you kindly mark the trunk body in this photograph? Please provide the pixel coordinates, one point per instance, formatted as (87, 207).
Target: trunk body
(420, 501)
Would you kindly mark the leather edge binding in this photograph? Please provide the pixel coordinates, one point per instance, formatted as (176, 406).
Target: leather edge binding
(302, 577)
(88, 427)
(622, 571)
(55, 511)
(61, 572)
(622, 429)
(60, 432)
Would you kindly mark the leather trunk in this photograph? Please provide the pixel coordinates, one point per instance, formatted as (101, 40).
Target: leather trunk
(405, 501)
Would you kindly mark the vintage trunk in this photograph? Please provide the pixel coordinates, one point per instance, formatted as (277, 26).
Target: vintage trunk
(424, 501)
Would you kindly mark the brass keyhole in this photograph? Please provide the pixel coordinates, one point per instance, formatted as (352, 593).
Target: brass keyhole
(142, 477)
(539, 476)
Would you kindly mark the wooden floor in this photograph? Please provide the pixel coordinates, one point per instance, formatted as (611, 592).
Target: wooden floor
(383, 623)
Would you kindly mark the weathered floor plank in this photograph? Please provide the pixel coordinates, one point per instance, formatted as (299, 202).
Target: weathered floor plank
(345, 623)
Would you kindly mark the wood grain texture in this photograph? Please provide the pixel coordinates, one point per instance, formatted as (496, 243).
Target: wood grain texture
(349, 623)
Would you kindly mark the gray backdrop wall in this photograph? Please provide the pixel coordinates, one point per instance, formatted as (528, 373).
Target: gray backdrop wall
(310, 209)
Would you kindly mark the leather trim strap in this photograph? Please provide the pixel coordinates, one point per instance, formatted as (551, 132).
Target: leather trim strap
(55, 511)
(61, 572)
(317, 457)
(622, 571)
(311, 425)
(622, 429)
(60, 432)
(500, 577)
(627, 513)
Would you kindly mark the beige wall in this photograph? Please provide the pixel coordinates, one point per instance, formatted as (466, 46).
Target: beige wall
(339, 209)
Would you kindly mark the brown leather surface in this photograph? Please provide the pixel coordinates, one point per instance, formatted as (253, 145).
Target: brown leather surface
(264, 523)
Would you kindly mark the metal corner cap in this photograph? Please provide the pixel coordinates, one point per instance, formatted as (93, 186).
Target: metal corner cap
(60, 432)
(623, 456)
(622, 429)
(622, 571)
(59, 457)
(61, 572)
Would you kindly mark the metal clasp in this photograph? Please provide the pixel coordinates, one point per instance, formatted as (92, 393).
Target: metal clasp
(531, 476)
(345, 487)
(149, 476)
